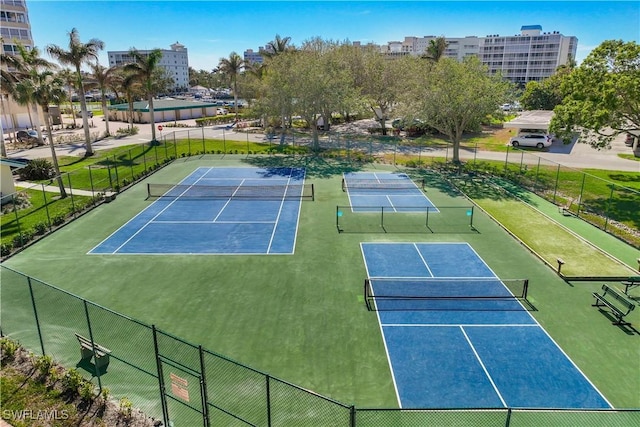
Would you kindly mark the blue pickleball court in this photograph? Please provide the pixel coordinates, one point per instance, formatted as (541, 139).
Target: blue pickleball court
(217, 211)
(468, 343)
(395, 192)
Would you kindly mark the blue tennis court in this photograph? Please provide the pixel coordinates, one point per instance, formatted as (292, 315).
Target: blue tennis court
(370, 191)
(217, 211)
(468, 343)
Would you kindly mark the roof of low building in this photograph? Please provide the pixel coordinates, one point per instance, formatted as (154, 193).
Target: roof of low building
(12, 163)
(163, 105)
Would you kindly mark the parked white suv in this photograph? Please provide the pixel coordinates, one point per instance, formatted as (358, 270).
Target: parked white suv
(538, 140)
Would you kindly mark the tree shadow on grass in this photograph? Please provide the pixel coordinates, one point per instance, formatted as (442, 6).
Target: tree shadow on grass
(315, 166)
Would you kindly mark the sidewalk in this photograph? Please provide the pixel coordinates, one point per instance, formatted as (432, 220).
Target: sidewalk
(52, 188)
(575, 155)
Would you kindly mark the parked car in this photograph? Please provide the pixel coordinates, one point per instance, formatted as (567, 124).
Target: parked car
(221, 111)
(629, 140)
(30, 136)
(537, 140)
(89, 114)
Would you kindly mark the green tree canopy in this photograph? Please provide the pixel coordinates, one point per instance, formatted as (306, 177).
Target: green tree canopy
(603, 96)
(451, 96)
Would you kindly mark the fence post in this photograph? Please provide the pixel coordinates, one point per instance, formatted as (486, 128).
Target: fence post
(352, 416)
(203, 389)
(131, 164)
(73, 205)
(175, 145)
(584, 177)
(508, 420)
(93, 344)
(268, 381)
(163, 398)
(91, 182)
(46, 204)
(537, 174)
(204, 147)
(35, 313)
(555, 188)
(606, 216)
(506, 161)
(115, 167)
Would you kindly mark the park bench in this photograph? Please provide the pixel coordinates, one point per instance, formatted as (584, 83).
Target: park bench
(631, 282)
(618, 303)
(87, 352)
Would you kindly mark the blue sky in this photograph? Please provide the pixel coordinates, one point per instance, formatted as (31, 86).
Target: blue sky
(213, 29)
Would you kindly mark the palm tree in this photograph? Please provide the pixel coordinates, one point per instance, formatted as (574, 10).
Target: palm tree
(231, 68)
(79, 53)
(49, 89)
(277, 46)
(436, 48)
(69, 79)
(102, 75)
(23, 65)
(144, 67)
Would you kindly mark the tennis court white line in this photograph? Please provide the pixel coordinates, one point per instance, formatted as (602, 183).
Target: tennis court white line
(428, 325)
(212, 222)
(227, 202)
(483, 367)
(424, 261)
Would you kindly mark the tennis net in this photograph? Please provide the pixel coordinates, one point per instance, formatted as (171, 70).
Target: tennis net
(255, 192)
(375, 184)
(457, 293)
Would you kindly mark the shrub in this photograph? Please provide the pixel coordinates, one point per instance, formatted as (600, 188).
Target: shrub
(58, 219)
(5, 249)
(40, 228)
(125, 407)
(36, 169)
(8, 348)
(44, 365)
(86, 391)
(72, 380)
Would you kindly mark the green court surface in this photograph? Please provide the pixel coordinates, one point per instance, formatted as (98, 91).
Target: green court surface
(301, 317)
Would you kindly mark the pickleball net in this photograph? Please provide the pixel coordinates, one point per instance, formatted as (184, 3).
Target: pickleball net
(376, 184)
(249, 192)
(387, 294)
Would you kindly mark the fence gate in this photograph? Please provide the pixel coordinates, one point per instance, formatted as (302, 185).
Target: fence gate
(184, 394)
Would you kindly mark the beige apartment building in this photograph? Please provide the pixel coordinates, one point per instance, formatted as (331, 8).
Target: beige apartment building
(15, 28)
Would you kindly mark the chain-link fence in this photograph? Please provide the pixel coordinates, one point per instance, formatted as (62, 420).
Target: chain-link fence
(183, 384)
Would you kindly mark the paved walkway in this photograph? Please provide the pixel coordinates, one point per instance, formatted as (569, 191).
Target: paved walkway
(573, 155)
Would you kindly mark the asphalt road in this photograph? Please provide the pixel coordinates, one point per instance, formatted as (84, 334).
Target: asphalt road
(575, 155)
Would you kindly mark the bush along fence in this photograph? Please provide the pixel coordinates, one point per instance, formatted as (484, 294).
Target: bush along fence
(182, 383)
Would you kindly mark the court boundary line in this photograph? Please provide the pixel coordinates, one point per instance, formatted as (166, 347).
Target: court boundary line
(275, 227)
(450, 325)
(484, 368)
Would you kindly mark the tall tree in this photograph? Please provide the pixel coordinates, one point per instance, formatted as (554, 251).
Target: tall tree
(546, 94)
(69, 79)
(145, 66)
(451, 96)
(79, 53)
(24, 64)
(231, 67)
(277, 46)
(602, 96)
(436, 48)
(48, 90)
(102, 75)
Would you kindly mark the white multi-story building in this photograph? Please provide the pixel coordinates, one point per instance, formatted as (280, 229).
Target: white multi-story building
(252, 57)
(529, 56)
(175, 61)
